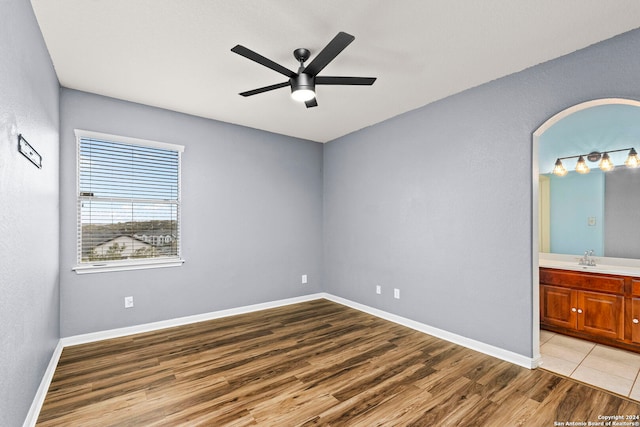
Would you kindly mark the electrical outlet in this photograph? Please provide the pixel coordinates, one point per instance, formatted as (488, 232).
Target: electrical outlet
(396, 293)
(128, 302)
(304, 279)
(378, 289)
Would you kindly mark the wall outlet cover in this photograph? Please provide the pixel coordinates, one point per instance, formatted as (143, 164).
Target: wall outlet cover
(128, 302)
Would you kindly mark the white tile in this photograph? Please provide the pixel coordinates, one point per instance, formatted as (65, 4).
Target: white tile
(619, 356)
(605, 367)
(574, 344)
(561, 351)
(603, 380)
(557, 365)
(635, 391)
(545, 336)
(611, 366)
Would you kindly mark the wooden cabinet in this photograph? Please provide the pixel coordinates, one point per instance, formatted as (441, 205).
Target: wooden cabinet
(591, 312)
(635, 320)
(601, 314)
(558, 306)
(597, 307)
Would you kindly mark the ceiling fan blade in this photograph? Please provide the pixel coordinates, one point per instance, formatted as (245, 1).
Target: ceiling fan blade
(264, 89)
(311, 103)
(329, 52)
(249, 54)
(328, 80)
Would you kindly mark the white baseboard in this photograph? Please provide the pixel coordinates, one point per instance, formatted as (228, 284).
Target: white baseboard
(41, 393)
(149, 327)
(36, 406)
(479, 346)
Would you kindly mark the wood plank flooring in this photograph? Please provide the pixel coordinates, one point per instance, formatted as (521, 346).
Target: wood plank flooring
(314, 363)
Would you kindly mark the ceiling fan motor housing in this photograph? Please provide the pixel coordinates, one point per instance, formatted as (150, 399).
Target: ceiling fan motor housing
(302, 81)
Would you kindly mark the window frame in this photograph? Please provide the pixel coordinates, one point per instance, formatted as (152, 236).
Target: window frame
(129, 264)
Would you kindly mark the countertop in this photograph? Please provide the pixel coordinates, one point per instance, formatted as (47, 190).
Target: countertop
(606, 265)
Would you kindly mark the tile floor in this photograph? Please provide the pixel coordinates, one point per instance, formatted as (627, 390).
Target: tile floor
(604, 367)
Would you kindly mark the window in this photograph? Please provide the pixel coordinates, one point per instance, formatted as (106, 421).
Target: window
(128, 203)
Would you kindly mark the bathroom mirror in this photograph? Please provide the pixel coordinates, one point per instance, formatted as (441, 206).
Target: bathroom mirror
(597, 210)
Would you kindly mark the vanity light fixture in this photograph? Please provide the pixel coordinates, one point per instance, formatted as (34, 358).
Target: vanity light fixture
(606, 165)
(632, 160)
(581, 166)
(559, 169)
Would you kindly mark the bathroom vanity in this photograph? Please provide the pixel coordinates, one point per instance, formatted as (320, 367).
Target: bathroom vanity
(599, 303)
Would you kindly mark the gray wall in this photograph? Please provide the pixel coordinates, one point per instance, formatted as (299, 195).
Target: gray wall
(251, 219)
(622, 213)
(437, 202)
(454, 236)
(29, 306)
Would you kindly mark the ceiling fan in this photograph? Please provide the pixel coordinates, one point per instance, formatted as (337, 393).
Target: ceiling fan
(303, 82)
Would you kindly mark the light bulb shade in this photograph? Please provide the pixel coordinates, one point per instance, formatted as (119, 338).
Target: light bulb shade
(632, 160)
(559, 169)
(581, 166)
(606, 164)
(303, 95)
(303, 87)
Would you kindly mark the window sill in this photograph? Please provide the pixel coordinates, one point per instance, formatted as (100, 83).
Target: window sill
(126, 265)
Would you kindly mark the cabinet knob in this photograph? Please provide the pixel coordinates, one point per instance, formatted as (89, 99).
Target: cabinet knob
(579, 310)
(573, 309)
(636, 321)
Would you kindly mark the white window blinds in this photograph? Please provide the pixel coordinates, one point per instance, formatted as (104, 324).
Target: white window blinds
(128, 199)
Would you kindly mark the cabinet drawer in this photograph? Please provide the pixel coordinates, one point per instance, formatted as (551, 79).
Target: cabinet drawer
(586, 281)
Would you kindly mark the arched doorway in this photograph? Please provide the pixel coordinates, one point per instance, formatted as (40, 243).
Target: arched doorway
(536, 191)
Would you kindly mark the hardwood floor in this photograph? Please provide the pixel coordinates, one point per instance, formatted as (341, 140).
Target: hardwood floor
(314, 363)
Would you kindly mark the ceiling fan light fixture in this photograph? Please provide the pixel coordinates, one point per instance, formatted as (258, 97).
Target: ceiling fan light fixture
(302, 88)
(302, 94)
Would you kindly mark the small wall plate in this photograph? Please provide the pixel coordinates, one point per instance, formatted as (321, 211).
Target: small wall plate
(29, 152)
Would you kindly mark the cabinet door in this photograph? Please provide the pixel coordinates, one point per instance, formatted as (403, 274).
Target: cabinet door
(635, 320)
(601, 314)
(557, 306)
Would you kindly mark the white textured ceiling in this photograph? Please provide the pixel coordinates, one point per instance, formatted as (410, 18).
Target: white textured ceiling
(175, 54)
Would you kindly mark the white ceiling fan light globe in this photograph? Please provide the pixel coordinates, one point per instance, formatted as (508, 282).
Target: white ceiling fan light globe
(303, 95)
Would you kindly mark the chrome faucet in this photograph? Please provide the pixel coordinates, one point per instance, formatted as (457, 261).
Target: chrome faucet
(587, 259)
